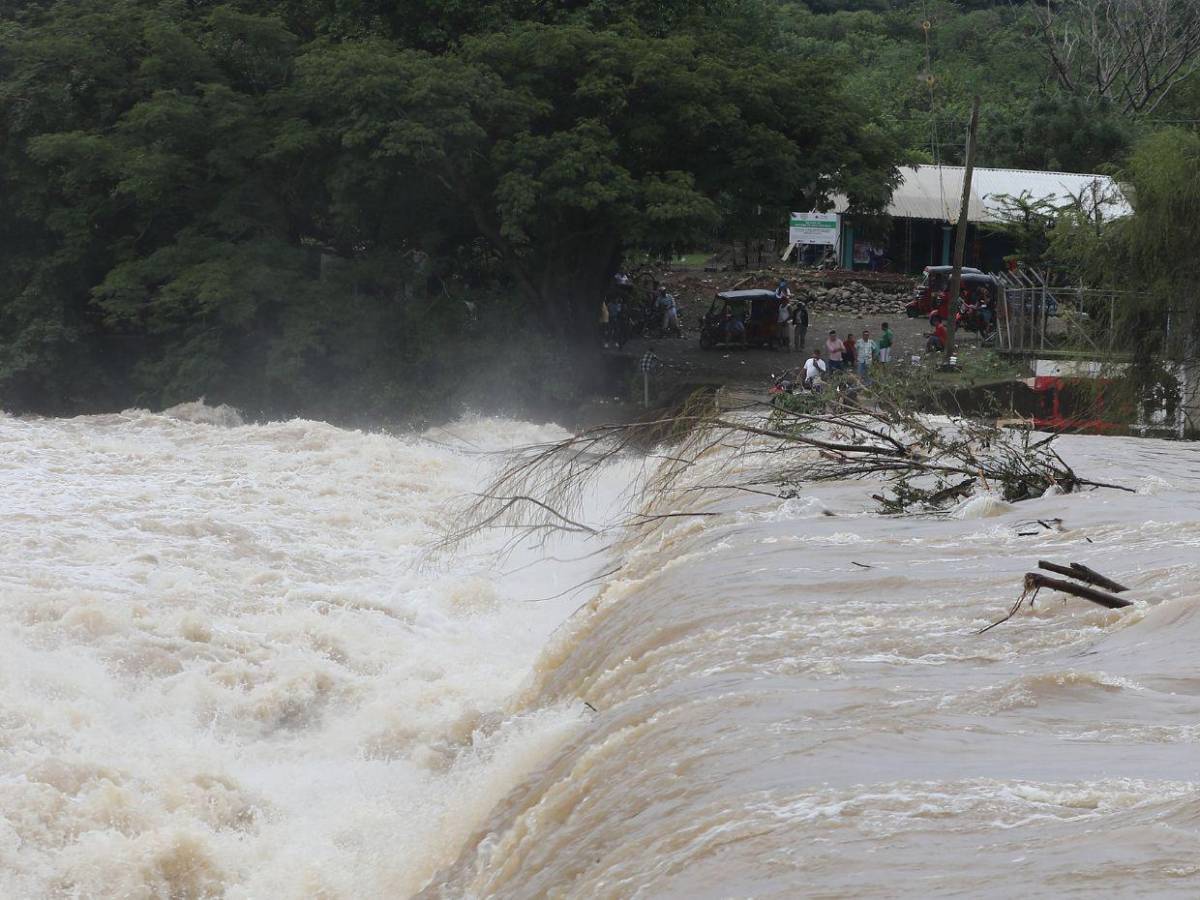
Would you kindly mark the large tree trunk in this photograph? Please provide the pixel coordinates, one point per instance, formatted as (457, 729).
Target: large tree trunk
(564, 278)
(573, 277)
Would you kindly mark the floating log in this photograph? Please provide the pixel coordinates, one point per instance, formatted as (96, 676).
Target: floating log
(1036, 581)
(1091, 576)
(1083, 573)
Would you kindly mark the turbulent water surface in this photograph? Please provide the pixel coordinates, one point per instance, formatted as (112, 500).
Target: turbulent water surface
(224, 673)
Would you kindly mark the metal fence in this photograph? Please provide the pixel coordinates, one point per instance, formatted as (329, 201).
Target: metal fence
(1083, 331)
(1035, 316)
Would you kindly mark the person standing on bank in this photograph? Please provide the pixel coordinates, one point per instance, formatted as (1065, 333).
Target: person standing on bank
(885, 345)
(799, 324)
(664, 306)
(783, 293)
(864, 353)
(616, 321)
(850, 356)
(783, 323)
(835, 349)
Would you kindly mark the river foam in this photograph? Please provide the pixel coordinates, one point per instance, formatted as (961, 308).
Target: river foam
(223, 673)
(227, 669)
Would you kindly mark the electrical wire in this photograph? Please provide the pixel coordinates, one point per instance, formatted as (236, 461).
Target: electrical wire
(935, 146)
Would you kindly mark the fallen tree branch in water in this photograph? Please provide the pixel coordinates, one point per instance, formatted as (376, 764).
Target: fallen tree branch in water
(928, 464)
(1035, 581)
(1082, 573)
(1012, 612)
(1091, 576)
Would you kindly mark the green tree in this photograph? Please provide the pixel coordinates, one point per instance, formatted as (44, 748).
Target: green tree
(562, 145)
(1026, 221)
(257, 204)
(1147, 255)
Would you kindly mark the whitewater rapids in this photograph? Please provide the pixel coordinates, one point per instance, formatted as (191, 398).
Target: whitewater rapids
(222, 674)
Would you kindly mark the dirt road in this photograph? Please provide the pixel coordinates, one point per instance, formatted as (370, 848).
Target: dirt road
(755, 368)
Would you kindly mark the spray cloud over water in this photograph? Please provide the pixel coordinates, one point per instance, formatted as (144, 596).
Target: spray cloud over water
(222, 674)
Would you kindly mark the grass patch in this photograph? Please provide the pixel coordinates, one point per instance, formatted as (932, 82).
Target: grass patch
(977, 365)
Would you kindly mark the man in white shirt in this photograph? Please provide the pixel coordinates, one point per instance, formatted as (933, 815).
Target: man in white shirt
(865, 352)
(814, 369)
(784, 325)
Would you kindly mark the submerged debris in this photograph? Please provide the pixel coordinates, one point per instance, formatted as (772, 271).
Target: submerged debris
(1035, 581)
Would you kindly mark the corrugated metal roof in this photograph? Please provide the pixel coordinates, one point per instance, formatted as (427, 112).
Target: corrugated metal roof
(935, 192)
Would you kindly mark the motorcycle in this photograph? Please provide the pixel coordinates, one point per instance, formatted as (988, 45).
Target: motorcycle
(652, 327)
(978, 319)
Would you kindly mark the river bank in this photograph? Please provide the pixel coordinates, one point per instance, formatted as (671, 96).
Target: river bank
(686, 367)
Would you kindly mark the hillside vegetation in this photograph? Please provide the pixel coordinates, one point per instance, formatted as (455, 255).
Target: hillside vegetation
(368, 209)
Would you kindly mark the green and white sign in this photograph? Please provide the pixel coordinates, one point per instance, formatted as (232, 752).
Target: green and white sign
(813, 228)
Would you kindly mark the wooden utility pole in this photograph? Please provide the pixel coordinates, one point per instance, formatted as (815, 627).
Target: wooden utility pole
(960, 241)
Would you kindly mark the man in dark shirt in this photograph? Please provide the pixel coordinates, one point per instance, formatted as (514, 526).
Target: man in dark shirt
(800, 321)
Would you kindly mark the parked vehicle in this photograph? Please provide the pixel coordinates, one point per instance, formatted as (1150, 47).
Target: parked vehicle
(976, 318)
(934, 281)
(971, 288)
(743, 319)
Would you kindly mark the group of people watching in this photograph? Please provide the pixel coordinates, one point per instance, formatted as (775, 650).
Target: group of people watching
(848, 355)
(791, 316)
(621, 316)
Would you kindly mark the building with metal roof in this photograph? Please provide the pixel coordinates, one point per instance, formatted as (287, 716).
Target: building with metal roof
(935, 192)
(926, 203)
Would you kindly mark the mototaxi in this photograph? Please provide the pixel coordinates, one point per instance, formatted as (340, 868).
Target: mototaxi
(972, 288)
(743, 318)
(935, 280)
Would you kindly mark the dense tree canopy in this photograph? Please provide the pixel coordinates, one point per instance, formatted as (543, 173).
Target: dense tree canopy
(256, 199)
(299, 203)
(1148, 254)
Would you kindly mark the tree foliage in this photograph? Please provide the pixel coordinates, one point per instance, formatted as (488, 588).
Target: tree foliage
(300, 203)
(1146, 254)
(258, 201)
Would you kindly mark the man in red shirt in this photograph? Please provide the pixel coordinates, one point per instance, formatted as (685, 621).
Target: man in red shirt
(937, 340)
(850, 357)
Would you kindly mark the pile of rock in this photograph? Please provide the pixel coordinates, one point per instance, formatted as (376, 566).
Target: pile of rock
(855, 298)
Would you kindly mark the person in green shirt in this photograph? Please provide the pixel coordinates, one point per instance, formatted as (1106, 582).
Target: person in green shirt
(884, 344)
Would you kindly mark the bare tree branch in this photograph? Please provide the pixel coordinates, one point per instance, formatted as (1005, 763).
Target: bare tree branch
(926, 463)
(1130, 52)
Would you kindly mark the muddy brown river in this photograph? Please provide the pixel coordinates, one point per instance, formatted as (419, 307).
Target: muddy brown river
(228, 670)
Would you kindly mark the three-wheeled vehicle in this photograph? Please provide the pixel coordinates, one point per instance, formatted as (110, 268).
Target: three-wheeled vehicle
(975, 288)
(742, 318)
(933, 283)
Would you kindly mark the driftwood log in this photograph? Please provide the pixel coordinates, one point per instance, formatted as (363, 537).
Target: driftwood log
(1035, 581)
(1091, 576)
(1083, 573)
